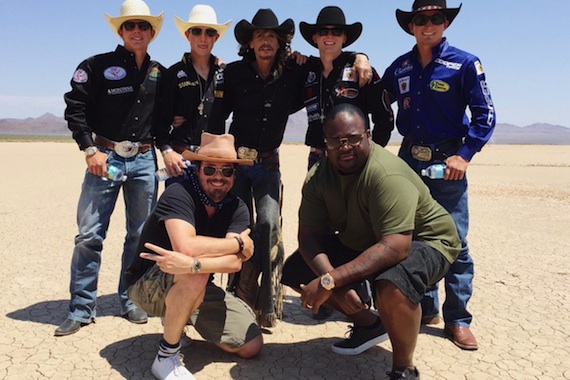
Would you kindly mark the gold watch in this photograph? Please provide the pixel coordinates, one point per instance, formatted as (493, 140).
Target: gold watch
(327, 281)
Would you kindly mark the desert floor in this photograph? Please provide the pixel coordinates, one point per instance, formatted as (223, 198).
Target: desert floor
(520, 218)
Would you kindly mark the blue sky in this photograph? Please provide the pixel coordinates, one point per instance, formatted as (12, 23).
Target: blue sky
(522, 45)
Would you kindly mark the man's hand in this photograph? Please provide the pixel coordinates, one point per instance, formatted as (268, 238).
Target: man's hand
(168, 261)
(247, 251)
(174, 164)
(97, 164)
(349, 300)
(299, 58)
(363, 69)
(456, 166)
(313, 295)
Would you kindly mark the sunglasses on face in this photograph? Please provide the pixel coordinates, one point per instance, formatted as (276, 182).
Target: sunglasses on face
(436, 19)
(209, 32)
(337, 142)
(227, 171)
(334, 31)
(143, 25)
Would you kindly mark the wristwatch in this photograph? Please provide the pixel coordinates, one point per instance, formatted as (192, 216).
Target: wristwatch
(327, 281)
(196, 266)
(90, 151)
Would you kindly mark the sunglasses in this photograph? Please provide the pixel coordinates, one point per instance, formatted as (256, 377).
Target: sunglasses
(337, 142)
(334, 31)
(143, 25)
(209, 32)
(227, 171)
(436, 19)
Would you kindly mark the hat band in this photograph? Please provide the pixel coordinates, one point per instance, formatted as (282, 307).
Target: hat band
(428, 8)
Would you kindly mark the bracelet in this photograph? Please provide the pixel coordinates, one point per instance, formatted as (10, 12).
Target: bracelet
(240, 242)
(166, 151)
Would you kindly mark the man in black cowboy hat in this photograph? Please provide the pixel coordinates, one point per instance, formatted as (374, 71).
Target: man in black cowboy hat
(434, 84)
(207, 230)
(261, 91)
(332, 80)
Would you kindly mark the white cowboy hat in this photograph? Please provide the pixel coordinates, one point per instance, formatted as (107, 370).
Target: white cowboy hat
(201, 15)
(135, 10)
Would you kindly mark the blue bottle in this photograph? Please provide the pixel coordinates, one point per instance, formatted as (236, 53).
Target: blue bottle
(435, 171)
(115, 174)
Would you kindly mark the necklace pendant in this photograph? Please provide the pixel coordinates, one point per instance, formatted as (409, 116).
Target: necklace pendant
(201, 108)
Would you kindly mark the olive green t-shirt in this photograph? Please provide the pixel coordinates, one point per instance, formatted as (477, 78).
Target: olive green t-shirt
(386, 197)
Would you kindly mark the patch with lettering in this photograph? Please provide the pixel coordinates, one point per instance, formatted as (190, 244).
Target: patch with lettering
(80, 76)
(348, 75)
(120, 90)
(479, 67)
(114, 73)
(404, 85)
(438, 86)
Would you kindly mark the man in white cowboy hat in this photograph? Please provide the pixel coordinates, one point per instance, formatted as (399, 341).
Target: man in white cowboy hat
(204, 230)
(188, 93)
(433, 84)
(111, 112)
(332, 80)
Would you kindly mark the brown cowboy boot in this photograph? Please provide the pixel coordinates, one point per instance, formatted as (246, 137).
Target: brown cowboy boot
(248, 285)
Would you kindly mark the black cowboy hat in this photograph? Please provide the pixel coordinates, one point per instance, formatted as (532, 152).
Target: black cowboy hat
(331, 16)
(404, 18)
(263, 19)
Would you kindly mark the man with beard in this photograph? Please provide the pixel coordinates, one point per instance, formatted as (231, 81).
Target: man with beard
(207, 230)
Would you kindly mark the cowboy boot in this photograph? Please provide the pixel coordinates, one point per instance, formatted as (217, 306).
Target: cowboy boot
(248, 286)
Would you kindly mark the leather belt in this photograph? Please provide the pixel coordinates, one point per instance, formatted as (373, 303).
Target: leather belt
(429, 152)
(182, 148)
(125, 148)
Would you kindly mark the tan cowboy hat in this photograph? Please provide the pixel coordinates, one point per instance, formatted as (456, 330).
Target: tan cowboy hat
(405, 18)
(263, 19)
(334, 16)
(216, 148)
(201, 15)
(135, 10)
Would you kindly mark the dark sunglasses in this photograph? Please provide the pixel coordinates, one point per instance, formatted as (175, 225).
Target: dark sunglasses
(198, 32)
(143, 25)
(337, 142)
(436, 19)
(227, 171)
(334, 31)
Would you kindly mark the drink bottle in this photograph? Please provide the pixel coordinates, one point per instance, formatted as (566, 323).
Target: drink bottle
(435, 171)
(115, 174)
(162, 173)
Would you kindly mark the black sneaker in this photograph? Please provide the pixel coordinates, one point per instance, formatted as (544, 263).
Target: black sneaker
(404, 374)
(360, 340)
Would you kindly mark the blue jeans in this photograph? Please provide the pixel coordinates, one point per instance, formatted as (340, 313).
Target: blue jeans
(261, 183)
(96, 204)
(452, 195)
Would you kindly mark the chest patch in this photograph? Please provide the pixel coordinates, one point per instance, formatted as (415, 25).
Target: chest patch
(404, 85)
(438, 86)
(115, 73)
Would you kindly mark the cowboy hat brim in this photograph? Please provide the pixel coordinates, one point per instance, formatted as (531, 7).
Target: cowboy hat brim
(244, 29)
(183, 26)
(191, 156)
(405, 18)
(352, 32)
(116, 22)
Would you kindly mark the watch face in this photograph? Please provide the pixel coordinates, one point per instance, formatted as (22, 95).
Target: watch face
(327, 281)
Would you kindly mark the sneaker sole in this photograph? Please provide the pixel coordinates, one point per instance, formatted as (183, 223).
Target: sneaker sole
(360, 349)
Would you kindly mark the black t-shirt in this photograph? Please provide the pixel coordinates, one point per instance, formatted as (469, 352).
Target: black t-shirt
(179, 201)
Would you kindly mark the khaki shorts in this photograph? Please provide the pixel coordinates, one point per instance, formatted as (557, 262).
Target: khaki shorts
(222, 318)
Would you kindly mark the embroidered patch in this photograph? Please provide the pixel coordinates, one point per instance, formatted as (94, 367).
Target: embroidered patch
(311, 77)
(479, 67)
(181, 74)
(120, 90)
(438, 86)
(404, 85)
(154, 74)
(348, 75)
(218, 94)
(80, 76)
(115, 73)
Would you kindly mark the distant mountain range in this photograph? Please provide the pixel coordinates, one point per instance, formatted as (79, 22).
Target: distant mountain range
(538, 133)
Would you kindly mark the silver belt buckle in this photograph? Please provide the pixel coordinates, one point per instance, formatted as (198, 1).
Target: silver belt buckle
(127, 149)
(246, 153)
(421, 153)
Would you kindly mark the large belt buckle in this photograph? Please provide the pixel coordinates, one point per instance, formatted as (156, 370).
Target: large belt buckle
(246, 153)
(127, 149)
(421, 153)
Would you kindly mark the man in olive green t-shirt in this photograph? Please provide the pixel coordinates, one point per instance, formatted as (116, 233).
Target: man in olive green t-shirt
(367, 218)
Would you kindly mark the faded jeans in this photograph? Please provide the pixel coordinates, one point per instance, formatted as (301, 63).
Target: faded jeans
(96, 204)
